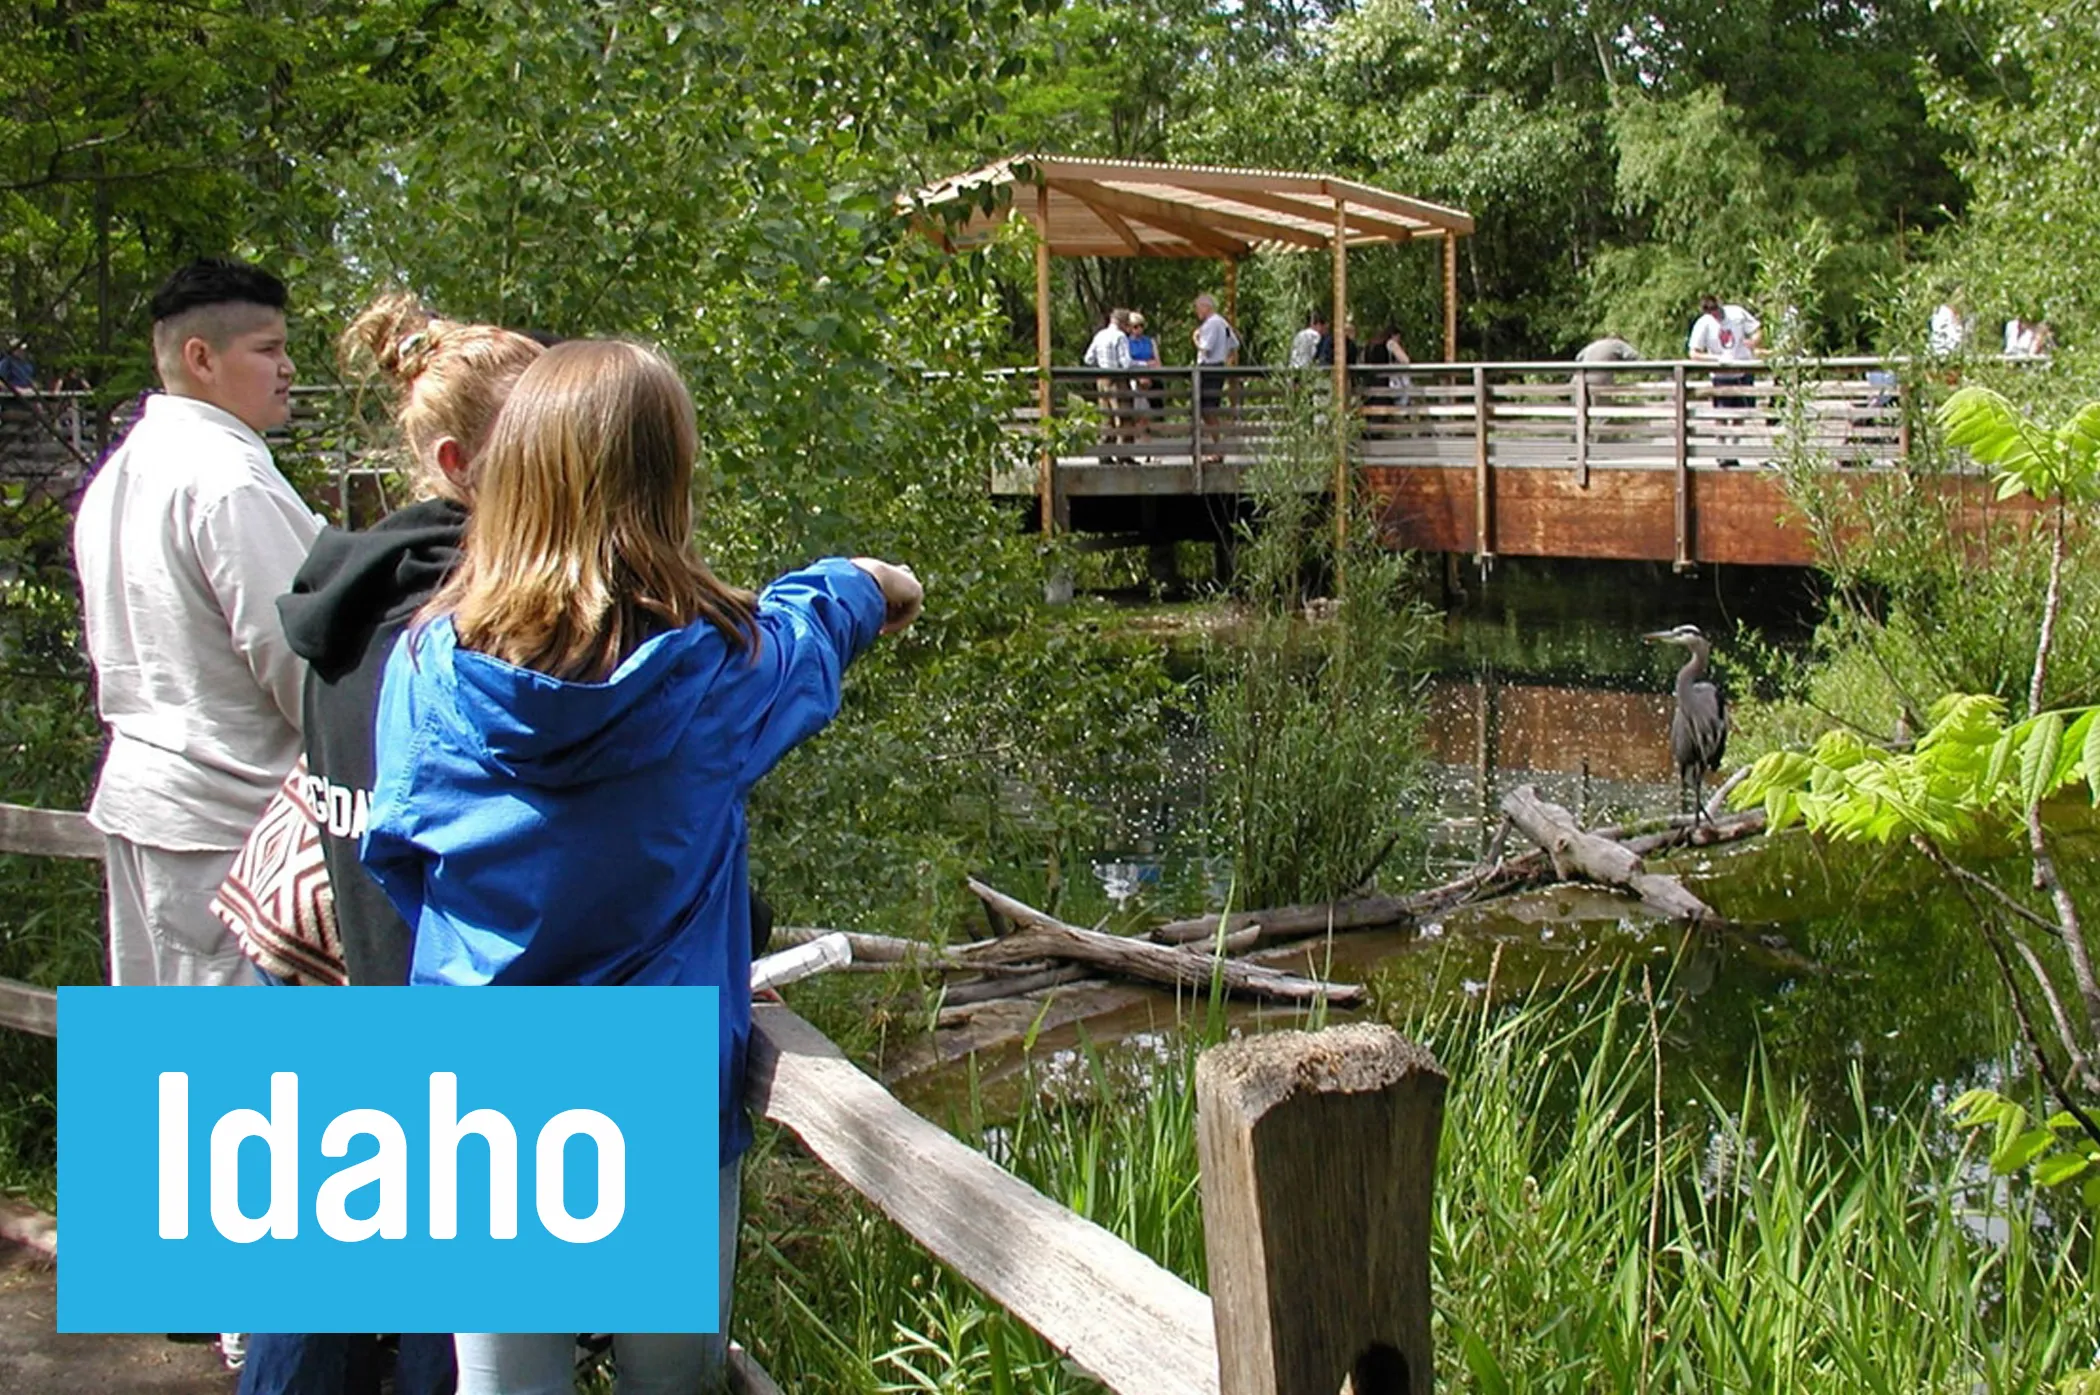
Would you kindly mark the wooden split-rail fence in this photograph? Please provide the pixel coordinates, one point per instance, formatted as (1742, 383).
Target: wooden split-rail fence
(1318, 1155)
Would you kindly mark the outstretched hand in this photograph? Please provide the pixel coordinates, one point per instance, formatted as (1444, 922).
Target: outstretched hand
(902, 596)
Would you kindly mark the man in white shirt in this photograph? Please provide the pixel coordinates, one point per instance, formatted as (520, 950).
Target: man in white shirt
(1305, 344)
(1215, 340)
(1948, 334)
(1727, 334)
(184, 542)
(1110, 352)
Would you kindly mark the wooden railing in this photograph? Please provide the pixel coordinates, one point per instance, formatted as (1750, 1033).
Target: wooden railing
(1317, 1151)
(49, 439)
(1651, 415)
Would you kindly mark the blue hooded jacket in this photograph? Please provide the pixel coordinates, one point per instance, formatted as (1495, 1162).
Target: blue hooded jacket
(536, 831)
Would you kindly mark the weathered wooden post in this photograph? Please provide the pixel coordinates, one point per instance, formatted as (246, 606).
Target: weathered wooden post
(1318, 1152)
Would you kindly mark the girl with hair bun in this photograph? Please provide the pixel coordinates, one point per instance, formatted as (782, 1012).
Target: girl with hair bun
(567, 739)
(348, 604)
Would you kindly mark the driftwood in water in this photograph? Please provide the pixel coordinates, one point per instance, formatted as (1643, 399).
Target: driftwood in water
(1039, 936)
(1294, 922)
(986, 990)
(1581, 856)
(1495, 877)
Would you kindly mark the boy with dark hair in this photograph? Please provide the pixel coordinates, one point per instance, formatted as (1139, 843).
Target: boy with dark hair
(184, 542)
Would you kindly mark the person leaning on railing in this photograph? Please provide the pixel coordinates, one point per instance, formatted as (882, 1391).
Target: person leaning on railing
(569, 730)
(297, 897)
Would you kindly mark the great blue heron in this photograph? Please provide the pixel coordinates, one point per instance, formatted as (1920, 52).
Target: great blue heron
(1699, 726)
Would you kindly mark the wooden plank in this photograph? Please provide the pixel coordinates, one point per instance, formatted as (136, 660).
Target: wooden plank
(1483, 416)
(1132, 1325)
(1682, 517)
(1338, 403)
(1450, 298)
(1198, 230)
(1318, 1162)
(47, 833)
(27, 1008)
(1046, 468)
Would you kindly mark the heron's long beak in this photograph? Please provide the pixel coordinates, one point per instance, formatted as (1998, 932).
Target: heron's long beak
(1667, 636)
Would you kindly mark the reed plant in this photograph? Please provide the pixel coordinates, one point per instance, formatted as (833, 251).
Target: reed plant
(1598, 1226)
(1315, 709)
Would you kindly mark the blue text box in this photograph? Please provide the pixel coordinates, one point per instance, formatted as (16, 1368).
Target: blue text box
(645, 1059)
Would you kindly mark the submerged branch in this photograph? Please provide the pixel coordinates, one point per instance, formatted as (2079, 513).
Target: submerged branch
(1041, 936)
(1578, 855)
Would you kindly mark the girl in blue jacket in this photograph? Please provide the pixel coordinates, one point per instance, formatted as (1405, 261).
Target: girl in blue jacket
(567, 739)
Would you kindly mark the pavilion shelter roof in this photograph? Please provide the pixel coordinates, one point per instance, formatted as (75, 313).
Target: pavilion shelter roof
(1130, 208)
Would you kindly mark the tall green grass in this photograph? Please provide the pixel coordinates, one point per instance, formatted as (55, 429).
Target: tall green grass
(1315, 712)
(1593, 1230)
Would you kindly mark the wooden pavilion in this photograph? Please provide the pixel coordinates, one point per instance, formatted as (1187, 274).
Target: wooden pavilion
(1128, 208)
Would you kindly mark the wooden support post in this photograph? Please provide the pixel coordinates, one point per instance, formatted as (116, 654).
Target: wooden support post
(1232, 300)
(1339, 333)
(1197, 445)
(1318, 1155)
(1483, 524)
(1681, 414)
(1450, 296)
(1046, 475)
(1582, 429)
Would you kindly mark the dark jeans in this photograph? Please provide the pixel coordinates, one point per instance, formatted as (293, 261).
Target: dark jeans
(346, 1363)
(1734, 380)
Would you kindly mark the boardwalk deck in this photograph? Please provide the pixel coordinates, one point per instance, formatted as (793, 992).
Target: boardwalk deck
(1636, 462)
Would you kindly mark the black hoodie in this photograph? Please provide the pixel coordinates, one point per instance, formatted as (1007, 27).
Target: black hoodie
(348, 604)
(351, 600)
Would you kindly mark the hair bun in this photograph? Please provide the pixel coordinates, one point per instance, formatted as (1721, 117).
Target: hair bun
(396, 333)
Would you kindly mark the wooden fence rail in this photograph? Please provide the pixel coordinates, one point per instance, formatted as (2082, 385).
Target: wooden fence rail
(1318, 1152)
(1659, 415)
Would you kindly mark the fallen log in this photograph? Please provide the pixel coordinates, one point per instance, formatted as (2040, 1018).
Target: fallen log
(1040, 936)
(1578, 855)
(1293, 922)
(992, 990)
(1494, 877)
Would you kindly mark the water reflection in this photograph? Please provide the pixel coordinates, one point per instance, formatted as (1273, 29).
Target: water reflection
(1844, 960)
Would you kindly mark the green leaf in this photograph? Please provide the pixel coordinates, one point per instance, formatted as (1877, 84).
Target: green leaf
(2060, 1168)
(2092, 760)
(2070, 760)
(1487, 1372)
(2000, 762)
(2023, 1149)
(2038, 758)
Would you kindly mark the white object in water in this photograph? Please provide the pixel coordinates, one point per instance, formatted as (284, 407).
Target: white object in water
(825, 952)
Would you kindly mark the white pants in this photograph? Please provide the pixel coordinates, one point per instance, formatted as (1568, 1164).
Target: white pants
(161, 929)
(649, 1363)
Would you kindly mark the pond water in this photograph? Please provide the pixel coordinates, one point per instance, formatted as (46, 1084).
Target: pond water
(1841, 959)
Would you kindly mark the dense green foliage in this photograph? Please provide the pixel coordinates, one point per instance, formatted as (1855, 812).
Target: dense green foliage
(718, 179)
(1586, 1236)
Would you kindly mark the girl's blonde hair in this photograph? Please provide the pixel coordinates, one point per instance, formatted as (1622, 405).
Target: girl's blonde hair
(450, 377)
(581, 545)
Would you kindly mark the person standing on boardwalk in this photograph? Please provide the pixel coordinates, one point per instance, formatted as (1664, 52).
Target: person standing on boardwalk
(1727, 334)
(1144, 353)
(1215, 341)
(1109, 351)
(1305, 344)
(184, 542)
